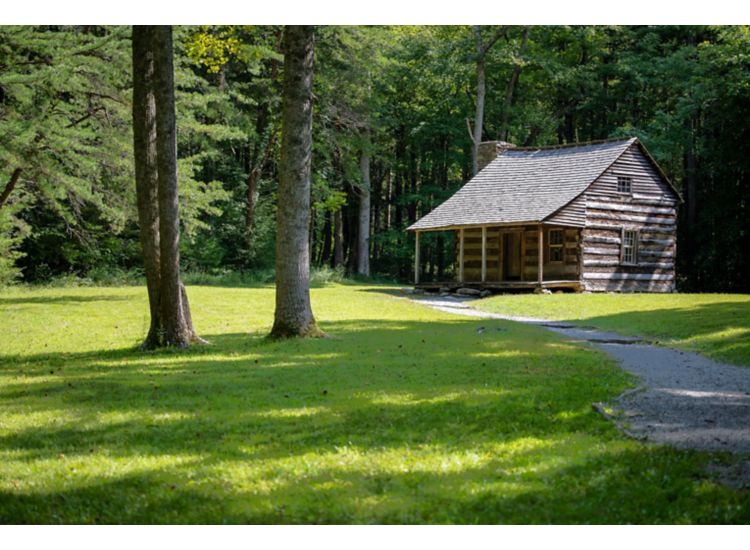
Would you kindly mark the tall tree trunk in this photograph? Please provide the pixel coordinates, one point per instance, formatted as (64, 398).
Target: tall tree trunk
(338, 238)
(511, 89)
(476, 132)
(325, 253)
(174, 309)
(146, 180)
(294, 316)
(476, 137)
(363, 233)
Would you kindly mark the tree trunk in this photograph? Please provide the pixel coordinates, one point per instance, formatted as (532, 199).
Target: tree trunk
(363, 234)
(338, 238)
(10, 186)
(293, 316)
(476, 132)
(476, 137)
(325, 253)
(146, 181)
(511, 89)
(174, 310)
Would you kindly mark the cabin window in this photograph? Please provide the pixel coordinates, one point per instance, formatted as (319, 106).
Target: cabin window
(555, 245)
(624, 184)
(629, 252)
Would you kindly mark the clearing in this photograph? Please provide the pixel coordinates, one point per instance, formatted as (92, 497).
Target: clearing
(405, 415)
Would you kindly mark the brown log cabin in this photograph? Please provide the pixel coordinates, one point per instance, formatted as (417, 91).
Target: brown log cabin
(594, 217)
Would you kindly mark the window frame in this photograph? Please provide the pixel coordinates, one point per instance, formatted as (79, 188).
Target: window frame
(635, 246)
(560, 246)
(630, 184)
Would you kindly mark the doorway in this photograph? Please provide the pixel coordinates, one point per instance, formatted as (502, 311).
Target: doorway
(511, 242)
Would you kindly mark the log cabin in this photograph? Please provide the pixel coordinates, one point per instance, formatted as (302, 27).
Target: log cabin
(597, 217)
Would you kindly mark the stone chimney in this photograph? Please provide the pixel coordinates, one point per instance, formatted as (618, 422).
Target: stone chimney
(488, 150)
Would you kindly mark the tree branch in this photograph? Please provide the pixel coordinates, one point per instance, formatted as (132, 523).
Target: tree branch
(499, 33)
(471, 133)
(10, 186)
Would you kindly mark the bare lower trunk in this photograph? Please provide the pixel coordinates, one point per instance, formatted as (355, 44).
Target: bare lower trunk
(175, 315)
(252, 183)
(363, 233)
(146, 181)
(293, 316)
(338, 238)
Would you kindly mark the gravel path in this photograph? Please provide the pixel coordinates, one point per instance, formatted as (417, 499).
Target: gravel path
(685, 399)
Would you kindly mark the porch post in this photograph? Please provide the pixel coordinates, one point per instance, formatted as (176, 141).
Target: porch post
(461, 255)
(484, 253)
(416, 258)
(540, 253)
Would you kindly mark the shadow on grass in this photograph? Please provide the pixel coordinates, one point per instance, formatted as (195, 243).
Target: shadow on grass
(61, 300)
(392, 421)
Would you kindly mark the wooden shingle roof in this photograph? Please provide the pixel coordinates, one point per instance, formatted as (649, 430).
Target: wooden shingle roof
(525, 185)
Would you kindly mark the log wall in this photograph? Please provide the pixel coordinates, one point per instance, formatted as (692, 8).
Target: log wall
(651, 208)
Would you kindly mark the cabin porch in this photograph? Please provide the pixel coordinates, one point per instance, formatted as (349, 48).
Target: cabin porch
(508, 258)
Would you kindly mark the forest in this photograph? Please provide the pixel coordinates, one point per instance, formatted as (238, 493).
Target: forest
(396, 113)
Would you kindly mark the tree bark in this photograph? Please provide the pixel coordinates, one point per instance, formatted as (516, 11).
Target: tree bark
(338, 238)
(363, 233)
(10, 186)
(511, 89)
(476, 137)
(294, 316)
(174, 308)
(146, 180)
(476, 132)
(252, 182)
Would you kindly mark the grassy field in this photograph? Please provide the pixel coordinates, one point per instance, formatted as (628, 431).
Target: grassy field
(405, 414)
(717, 325)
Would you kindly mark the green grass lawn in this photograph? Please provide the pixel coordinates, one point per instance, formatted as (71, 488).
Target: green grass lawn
(405, 414)
(717, 325)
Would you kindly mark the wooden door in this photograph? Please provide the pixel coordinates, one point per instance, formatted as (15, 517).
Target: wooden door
(512, 255)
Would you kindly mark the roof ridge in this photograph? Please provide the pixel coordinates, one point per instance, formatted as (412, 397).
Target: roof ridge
(571, 145)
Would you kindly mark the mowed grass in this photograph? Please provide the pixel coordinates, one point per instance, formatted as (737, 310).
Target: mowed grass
(404, 415)
(717, 325)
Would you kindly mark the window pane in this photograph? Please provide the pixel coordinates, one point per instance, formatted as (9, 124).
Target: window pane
(629, 247)
(624, 184)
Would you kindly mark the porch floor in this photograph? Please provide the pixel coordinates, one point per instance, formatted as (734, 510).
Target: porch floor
(502, 285)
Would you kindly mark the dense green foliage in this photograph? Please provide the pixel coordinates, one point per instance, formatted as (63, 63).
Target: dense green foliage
(64, 120)
(406, 415)
(717, 325)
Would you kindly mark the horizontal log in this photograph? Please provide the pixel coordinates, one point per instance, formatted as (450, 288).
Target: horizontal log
(642, 209)
(593, 239)
(663, 230)
(628, 276)
(640, 198)
(631, 218)
(617, 263)
(655, 257)
(601, 251)
(628, 286)
(665, 242)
